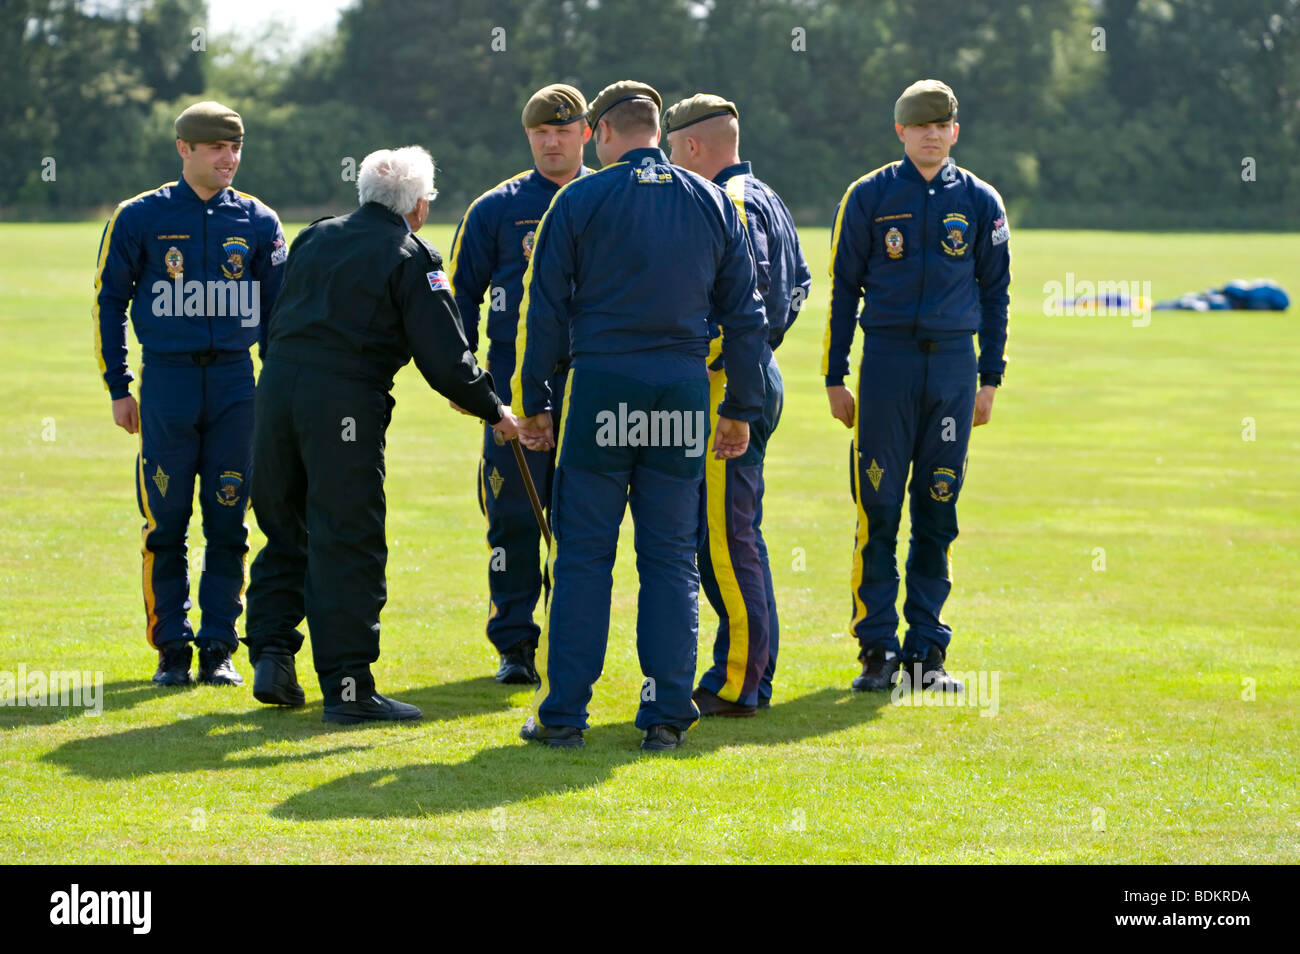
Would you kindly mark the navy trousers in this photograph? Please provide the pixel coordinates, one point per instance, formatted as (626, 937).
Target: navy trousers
(195, 422)
(633, 433)
(914, 409)
(514, 539)
(734, 568)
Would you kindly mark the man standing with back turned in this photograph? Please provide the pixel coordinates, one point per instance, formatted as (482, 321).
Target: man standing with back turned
(492, 247)
(925, 244)
(200, 265)
(363, 295)
(704, 136)
(630, 263)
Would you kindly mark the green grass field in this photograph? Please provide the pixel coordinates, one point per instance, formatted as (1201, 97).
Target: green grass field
(1146, 711)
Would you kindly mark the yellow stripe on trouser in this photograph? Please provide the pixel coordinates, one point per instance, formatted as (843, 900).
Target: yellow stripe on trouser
(543, 640)
(864, 529)
(150, 610)
(715, 491)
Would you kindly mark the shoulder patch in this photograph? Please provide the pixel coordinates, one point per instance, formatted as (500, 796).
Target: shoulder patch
(438, 281)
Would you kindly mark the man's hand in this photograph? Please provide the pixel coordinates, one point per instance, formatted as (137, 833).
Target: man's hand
(460, 410)
(126, 414)
(984, 404)
(508, 426)
(731, 440)
(842, 404)
(537, 432)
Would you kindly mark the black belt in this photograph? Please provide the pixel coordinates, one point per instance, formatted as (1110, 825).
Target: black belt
(204, 358)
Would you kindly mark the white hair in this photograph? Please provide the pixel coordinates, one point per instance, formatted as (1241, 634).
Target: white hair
(396, 178)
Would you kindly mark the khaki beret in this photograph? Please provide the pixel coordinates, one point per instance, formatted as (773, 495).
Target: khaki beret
(696, 109)
(208, 122)
(925, 101)
(556, 105)
(621, 92)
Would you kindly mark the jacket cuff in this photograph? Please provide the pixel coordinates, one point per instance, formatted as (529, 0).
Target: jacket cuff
(119, 391)
(990, 378)
(835, 380)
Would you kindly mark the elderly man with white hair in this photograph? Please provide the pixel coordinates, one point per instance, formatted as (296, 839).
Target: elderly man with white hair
(363, 294)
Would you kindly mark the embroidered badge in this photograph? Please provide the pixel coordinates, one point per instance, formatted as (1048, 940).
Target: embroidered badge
(229, 485)
(874, 473)
(175, 262)
(528, 244)
(236, 250)
(279, 252)
(943, 484)
(1001, 232)
(496, 480)
(160, 479)
(954, 234)
(894, 243)
(438, 281)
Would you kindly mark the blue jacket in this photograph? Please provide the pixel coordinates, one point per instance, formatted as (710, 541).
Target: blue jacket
(778, 259)
(928, 260)
(633, 260)
(491, 249)
(157, 237)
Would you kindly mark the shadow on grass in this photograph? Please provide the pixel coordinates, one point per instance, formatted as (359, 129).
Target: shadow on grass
(521, 771)
(219, 741)
(116, 696)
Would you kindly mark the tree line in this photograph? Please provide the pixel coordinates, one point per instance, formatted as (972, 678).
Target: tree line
(1084, 113)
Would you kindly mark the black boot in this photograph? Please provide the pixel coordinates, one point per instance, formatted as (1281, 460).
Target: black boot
(372, 708)
(929, 674)
(174, 665)
(275, 680)
(879, 669)
(517, 664)
(216, 667)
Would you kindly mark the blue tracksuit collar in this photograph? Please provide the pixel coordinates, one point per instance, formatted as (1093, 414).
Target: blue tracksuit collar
(634, 156)
(908, 170)
(549, 186)
(739, 169)
(182, 190)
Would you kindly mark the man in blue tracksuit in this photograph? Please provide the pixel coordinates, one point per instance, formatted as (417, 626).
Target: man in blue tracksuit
(199, 266)
(629, 265)
(489, 253)
(922, 244)
(704, 136)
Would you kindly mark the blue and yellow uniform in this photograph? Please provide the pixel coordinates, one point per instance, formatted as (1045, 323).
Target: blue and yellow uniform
(734, 568)
(491, 250)
(199, 279)
(630, 263)
(930, 265)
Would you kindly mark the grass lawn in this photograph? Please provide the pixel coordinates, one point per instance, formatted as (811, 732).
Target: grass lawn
(1127, 565)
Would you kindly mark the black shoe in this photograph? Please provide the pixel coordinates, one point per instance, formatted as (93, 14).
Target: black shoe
(174, 665)
(517, 666)
(559, 737)
(375, 708)
(662, 738)
(216, 667)
(275, 680)
(710, 705)
(879, 670)
(929, 674)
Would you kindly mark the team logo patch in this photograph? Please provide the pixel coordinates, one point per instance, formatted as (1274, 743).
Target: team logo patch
(175, 262)
(236, 250)
(894, 243)
(229, 486)
(438, 281)
(1001, 232)
(874, 473)
(954, 234)
(279, 252)
(529, 240)
(160, 480)
(496, 480)
(943, 484)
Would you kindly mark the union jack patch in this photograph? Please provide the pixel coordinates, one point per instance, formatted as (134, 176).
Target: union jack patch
(438, 281)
